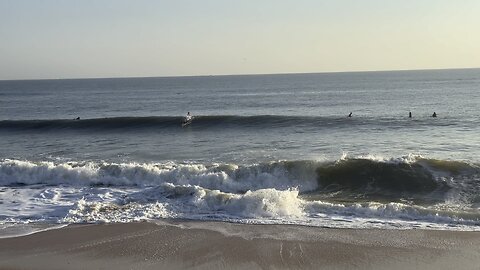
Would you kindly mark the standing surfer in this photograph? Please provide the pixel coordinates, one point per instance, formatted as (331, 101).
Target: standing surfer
(187, 120)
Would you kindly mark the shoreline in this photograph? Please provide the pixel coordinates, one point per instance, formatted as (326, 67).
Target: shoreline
(219, 245)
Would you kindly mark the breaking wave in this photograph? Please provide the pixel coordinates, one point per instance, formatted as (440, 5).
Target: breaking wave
(349, 192)
(413, 176)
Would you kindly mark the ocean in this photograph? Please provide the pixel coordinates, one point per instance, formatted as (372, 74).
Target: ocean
(261, 149)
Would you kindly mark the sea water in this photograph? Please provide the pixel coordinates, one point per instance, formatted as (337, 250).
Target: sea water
(276, 149)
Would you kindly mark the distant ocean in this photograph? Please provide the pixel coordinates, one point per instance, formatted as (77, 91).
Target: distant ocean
(263, 149)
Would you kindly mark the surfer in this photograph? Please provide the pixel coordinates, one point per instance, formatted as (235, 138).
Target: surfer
(187, 120)
(434, 114)
(350, 115)
(409, 114)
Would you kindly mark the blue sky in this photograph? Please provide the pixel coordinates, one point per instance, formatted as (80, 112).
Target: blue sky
(114, 38)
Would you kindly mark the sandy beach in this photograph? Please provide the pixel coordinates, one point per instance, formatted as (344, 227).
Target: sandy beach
(218, 245)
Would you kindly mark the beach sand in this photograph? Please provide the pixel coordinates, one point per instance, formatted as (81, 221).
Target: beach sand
(219, 245)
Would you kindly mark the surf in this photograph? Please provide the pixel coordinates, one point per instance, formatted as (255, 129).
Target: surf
(393, 178)
(351, 192)
(217, 122)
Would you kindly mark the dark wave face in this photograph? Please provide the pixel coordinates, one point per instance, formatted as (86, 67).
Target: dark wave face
(424, 181)
(92, 124)
(364, 175)
(218, 121)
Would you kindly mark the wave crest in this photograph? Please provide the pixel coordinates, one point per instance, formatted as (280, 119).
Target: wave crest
(395, 178)
(364, 174)
(211, 122)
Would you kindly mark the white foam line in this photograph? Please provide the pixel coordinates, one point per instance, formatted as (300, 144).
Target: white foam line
(55, 227)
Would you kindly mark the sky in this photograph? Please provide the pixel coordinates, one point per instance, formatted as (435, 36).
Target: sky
(142, 38)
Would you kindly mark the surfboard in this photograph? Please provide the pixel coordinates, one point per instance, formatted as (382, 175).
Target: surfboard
(186, 122)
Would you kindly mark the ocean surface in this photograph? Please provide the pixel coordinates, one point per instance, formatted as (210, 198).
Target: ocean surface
(266, 149)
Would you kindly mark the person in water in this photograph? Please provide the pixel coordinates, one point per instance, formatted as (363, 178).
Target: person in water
(188, 117)
(350, 115)
(410, 115)
(434, 114)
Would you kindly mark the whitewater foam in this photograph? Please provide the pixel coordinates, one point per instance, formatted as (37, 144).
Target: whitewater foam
(226, 177)
(285, 192)
(266, 206)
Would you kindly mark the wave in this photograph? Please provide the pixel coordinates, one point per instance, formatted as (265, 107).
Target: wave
(91, 124)
(368, 175)
(225, 177)
(410, 177)
(359, 192)
(216, 121)
(169, 200)
(61, 204)
(265, 206)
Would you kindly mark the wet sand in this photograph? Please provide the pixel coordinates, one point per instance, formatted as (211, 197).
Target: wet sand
(219, 245)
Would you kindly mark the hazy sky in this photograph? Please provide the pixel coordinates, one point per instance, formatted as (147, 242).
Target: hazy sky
(118, 38)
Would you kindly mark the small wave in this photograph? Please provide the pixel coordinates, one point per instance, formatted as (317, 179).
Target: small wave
(211, 122)
(91, 124)
(264, 205)
(187, 201)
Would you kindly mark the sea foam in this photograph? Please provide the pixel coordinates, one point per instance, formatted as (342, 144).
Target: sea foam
(294, 192)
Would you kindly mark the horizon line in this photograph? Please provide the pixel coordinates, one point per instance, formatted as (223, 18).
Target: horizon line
(240, 74)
